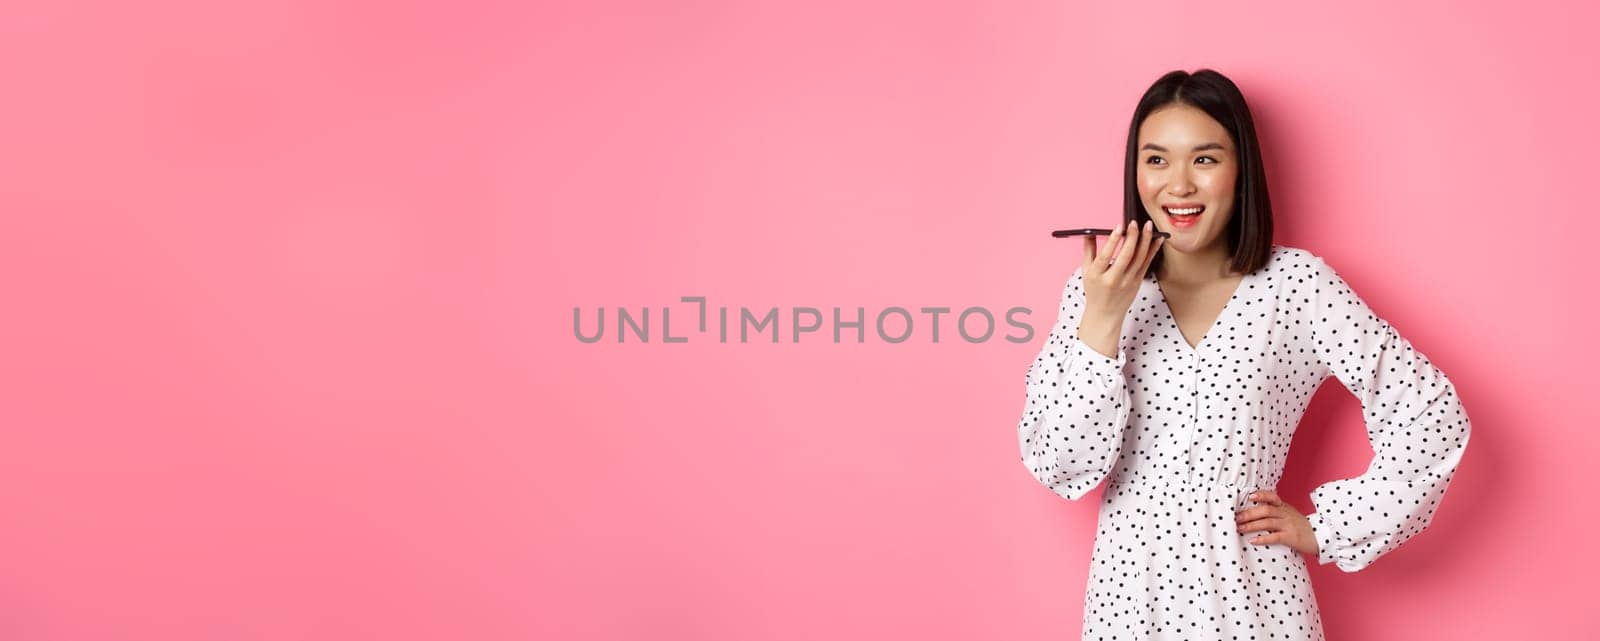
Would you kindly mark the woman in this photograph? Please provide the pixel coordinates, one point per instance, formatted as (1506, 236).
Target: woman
(1179, 369)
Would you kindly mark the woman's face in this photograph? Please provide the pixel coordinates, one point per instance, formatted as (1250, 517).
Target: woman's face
(1186, 160)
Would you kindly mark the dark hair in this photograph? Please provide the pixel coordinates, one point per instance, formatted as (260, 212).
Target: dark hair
(1249, 232)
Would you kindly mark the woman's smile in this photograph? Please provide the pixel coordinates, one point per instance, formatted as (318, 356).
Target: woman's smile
(1183, 215)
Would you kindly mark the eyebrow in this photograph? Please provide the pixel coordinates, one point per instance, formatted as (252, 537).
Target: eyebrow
(1201, 147)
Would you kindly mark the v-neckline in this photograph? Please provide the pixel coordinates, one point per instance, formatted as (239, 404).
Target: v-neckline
(1172, 320)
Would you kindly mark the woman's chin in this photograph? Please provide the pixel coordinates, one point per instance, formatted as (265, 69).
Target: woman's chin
(1187, 241)
(1180, 242)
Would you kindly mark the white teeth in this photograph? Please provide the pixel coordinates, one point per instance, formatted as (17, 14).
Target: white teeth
(1183, 212)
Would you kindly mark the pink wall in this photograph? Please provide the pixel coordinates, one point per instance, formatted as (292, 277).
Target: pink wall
(289, 350)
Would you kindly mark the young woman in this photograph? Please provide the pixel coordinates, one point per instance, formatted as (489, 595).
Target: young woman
(1179, 369)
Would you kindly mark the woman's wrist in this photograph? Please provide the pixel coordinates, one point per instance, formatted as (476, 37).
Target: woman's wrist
(1101, 332)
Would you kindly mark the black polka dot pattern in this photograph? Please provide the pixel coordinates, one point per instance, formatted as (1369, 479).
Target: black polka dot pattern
(1182, 434)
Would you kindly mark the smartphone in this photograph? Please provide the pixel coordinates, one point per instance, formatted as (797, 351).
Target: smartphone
(1097, 231)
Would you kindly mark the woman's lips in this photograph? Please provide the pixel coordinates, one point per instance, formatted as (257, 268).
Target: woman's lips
(1184, 221)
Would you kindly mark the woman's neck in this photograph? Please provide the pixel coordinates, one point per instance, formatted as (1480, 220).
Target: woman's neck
(1195, 268)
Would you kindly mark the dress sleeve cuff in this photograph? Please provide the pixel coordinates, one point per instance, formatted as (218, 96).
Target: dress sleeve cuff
(1105, 369)
(1324, 535)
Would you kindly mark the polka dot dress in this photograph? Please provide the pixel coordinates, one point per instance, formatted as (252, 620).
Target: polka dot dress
(1181, 435)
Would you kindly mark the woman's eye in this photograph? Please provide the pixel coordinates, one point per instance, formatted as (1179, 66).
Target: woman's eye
(1153, 159)
(1213, 160)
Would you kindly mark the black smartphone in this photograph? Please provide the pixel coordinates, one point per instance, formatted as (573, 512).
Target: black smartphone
(1097, 231)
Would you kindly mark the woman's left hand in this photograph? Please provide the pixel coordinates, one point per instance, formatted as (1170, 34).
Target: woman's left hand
(1281, 522)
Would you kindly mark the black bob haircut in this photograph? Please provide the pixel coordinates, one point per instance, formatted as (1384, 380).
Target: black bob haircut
(1249, 232)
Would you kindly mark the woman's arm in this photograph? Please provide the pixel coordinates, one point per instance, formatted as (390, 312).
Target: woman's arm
(1077, 406)
(1414, 420)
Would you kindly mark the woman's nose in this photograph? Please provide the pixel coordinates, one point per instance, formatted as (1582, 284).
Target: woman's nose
(1180, 185)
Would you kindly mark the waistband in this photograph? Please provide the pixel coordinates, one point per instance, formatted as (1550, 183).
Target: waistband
(1228, 492)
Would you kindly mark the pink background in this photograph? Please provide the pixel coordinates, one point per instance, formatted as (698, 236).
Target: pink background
(289, 349)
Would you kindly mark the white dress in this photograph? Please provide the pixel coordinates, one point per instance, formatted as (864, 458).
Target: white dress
(1184, 434)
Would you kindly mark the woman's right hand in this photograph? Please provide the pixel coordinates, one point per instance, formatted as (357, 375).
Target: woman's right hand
(1111, 281)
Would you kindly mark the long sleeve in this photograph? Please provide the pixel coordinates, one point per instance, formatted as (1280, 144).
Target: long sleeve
(1077, 406)
(1414, 420)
